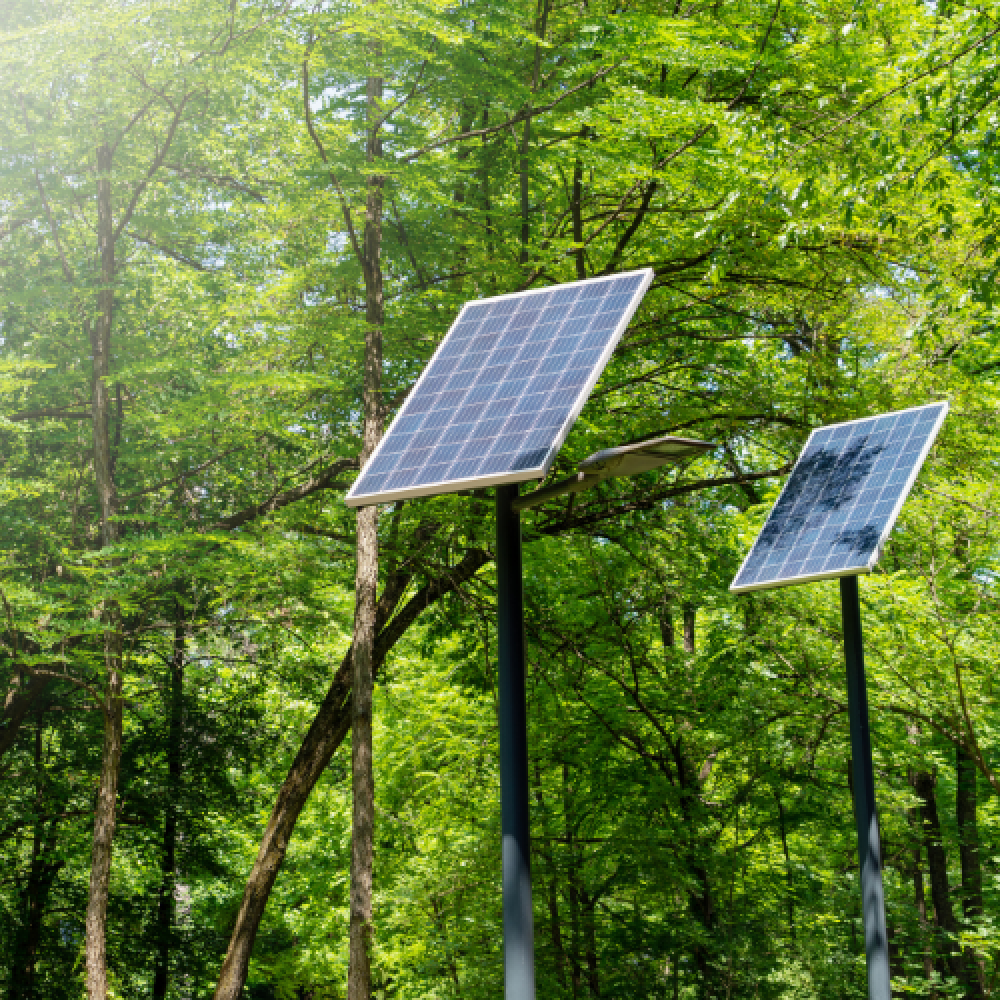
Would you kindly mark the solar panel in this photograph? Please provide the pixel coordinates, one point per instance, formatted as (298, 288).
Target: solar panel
(502, 390)
(841, 500)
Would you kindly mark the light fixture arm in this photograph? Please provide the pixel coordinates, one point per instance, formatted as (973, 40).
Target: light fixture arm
(625, 460)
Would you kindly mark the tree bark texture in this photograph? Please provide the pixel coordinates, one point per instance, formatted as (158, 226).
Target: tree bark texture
(35, 891)
(101, 346)
(104, 829)
(21, 701)
(524, 171)
(689, 620)
(966, 809)
(166, 904)
(576, 207)
(937, 864)
(366, 584)
(104, 810)
(327, 731)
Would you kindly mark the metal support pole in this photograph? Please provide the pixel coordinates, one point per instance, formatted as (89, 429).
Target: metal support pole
(518, 923)
(869, 847)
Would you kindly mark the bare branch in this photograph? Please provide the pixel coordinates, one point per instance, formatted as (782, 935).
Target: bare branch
(326, 480)
(58, 412)
(653, 499)
(344, 207)
(478, 133)
(53, 228)
(153, 168)
(167, 252)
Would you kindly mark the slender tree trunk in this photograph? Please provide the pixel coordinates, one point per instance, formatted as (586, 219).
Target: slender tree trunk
(590, 941)
(33, 897)
(920, 901)
(359, 978)
(689, 619)
(24, 695)
(700, 894)
(576, 207)
(572, 879)
(788, 870)
(966, 808)
(552, 885)
(524, 175)
(41, 877)
(104, 831)
(166, 905)
(937, 863)
(555, 929)
(101, 346)
(104, 811)
(667, 636)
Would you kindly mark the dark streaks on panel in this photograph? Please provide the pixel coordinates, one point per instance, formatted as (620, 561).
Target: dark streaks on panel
(840, 498)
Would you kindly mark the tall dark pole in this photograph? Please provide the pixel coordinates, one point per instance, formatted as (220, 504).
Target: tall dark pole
(518, 923)
(869, 847)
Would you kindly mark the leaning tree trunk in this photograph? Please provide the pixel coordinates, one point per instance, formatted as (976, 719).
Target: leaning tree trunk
(327, 731)
(104, 810)
(359, 977)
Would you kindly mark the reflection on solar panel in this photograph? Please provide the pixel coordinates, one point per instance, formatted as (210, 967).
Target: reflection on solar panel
(502, 390)
(841, 500)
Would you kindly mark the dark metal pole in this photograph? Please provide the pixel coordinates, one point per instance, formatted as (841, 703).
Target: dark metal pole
(518, 923)
(869, 847)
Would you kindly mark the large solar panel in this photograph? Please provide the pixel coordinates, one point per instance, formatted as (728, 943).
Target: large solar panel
(841, 500)
(502, 391)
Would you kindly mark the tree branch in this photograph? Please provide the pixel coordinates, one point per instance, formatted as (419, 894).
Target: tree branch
(324, 481)
(516, 119)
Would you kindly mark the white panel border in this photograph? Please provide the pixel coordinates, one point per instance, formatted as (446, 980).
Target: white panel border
(522, 475)
(877, 551)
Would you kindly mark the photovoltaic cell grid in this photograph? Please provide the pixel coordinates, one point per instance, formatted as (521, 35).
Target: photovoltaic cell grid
(841, 500)
(499, 396)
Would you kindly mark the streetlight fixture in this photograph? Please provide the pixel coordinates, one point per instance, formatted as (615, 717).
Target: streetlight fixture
(492, 408)
(626, 460)
(831, 521)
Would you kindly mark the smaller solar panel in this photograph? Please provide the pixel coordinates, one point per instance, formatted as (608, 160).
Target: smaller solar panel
(502, 391)
(841, 500)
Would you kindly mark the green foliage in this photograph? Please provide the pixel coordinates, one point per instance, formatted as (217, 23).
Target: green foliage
(815, 186)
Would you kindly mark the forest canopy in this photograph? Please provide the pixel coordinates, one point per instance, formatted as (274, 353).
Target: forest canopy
(249, 735)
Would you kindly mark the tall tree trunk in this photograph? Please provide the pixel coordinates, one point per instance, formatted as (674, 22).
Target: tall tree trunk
(166, 904)
(966, 807)
(104, 828)
(576, 207)
(572, 879)
(359, 977)
(590, 941)
(101, 346)
(700, 891)
(920, 901)
(667, 636)
(41, 875)
(937, 863)
(788, 869)
(104, 811)
(24, 695)
(524, 176)
(689, 619)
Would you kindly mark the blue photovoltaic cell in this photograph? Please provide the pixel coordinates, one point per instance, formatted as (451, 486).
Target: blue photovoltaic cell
(841, 500)
(496, 400)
